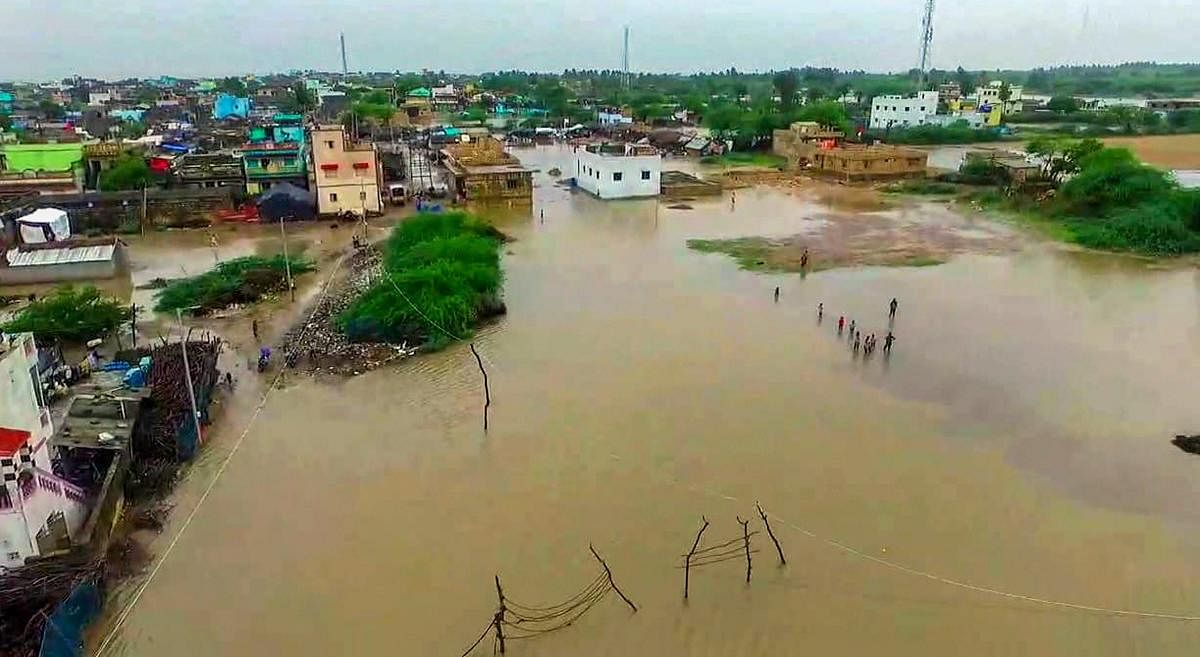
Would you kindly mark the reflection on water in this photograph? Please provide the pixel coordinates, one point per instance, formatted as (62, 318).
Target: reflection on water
(1016, 438)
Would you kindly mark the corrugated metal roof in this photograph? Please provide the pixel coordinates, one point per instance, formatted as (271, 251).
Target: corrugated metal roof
(67, 255)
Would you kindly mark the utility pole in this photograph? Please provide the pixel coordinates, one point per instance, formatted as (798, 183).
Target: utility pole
(345, 68)
(187, 373)
(287, 262)
(625, 60)
(926, 42)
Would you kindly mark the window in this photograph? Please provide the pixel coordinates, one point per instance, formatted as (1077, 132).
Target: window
(362, 196)
(330, 173)
(617, 176)
(329, 143)
(333, 198)
(645, 175)
(263, 163)
(37, 387)
(513, 182)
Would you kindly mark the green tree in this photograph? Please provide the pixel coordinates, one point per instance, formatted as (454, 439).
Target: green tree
(378, 97)
(51, 110)
(129, 172)
(1005, 92)
(694, 103)
(133, 130)
(300, 99)
(1062, 157)
(5, 122)
(1063, 104)
(1113, 178)
(232, 86)
(723, 119)
(786, 84)
(829, 113)
(70, 314)
(813, 93)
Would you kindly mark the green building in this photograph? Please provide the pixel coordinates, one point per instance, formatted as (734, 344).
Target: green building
(43, 168)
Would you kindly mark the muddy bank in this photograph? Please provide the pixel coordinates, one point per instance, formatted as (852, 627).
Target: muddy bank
(878, 239)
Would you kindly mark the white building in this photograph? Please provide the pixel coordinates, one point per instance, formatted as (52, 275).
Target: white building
(345, 175)
(612, 117)
(618, 170)
(903, 111)
(39, 512)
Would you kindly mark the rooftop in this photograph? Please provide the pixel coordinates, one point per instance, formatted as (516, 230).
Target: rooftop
(99, 422)
(60, 256)
(42, 157)
(12, 440)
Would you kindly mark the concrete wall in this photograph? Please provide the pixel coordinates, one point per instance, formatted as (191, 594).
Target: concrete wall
(903, 112)
(617, 176)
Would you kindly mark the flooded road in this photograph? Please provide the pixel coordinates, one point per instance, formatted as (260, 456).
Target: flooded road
(1016, 439)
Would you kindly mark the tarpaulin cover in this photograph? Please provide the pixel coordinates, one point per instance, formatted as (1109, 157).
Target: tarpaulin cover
(44, 225)
(286, 201)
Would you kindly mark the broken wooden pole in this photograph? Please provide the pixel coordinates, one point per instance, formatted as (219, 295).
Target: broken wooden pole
(610, 579)
(487, 392)
(499, 619)
(746, 542)
(782, 560)
(687, 564)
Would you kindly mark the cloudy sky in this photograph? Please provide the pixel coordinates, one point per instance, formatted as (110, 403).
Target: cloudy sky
(117, 38)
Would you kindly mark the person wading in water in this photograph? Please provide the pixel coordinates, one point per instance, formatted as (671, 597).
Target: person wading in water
(892, 308)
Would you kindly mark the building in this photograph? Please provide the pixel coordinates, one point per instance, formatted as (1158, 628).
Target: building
(612, 171)
(198, 171)
(81, 259)
(853, 163)
(228, 106)
(801, 140)
(482, 171)
(276, 153)
(41, 168)
(889, 112)
(6, 102)
(949, 91)
(612, 116)
(39, 511)
(446, 98)
(346, 175)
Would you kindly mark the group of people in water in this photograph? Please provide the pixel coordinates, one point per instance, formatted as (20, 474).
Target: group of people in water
(867, 344)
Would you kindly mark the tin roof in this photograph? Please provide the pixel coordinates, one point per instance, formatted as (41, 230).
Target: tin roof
(12, 440)
(65, 255)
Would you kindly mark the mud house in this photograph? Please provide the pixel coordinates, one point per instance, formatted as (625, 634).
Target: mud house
(39, 511)
(346, 174)
(612, 171)
(800, 142)
(483, 171)
(852, 163)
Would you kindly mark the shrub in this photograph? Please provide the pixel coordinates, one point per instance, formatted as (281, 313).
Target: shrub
(241, 280)
(1112, 179)
(1153, 228)
(447, 269)
(70, 314)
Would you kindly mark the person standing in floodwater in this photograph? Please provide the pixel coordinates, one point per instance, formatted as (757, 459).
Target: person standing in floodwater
(892, 308)
(254, 329)
(841, 324)
(857, 342)
(804, 260)
(776, 294)
(820, 311)
(851, 328)
(887, 343)
(732, 199)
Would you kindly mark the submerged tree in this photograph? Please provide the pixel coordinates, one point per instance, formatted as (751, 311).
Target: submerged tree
(70, 314)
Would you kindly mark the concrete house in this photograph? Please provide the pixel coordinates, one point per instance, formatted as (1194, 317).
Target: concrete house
(346, 175)
(618, 170)
(482, 170)
(903, 111)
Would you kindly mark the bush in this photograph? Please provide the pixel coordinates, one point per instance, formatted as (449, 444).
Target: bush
(1153, 228)
(70, 314)
(447, 269)
(241, 280)
(960, 133)
(1112, 179)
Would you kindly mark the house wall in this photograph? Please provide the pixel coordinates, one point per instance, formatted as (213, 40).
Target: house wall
(340, 186)
(903, 112)
(71, 271)
(492, 186)
(640, 175)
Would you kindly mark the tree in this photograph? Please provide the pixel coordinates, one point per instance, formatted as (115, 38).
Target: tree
(830, 114)
(786, 84)
(51, 110)
(694, 103)
(300, 99)
(133, 130)
(130, 172)
(1112, 178)
(965, 80)
(1005, 92)
(813, 93)
(723, 119)
(378, 97)
(1062, 157)
(1063, 104)
(70, 314)
(232, 86)
(5, 122)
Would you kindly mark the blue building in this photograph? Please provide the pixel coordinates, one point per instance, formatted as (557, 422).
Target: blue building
(231, 107)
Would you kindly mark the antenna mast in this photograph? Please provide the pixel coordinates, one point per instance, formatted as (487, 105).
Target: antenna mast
(345, 69)
(625, 59)
(926, 41)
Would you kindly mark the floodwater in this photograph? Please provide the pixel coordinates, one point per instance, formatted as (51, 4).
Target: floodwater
(1016, 439)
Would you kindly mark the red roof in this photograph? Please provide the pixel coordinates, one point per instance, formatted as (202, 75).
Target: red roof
(11, 440)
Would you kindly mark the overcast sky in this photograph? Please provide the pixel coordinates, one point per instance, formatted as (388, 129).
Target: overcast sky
(117, 38)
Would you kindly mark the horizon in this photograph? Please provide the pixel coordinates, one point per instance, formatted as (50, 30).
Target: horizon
(216, 38)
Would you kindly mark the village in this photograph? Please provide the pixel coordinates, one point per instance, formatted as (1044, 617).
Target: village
(173, 250)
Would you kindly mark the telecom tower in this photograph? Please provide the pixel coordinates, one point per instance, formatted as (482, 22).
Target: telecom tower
(345, 69)
(625, 60)
(926, 40)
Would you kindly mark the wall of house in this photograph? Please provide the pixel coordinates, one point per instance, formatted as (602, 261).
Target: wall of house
(493, 186)
(340, 185)
(903, 112)
(618, 176)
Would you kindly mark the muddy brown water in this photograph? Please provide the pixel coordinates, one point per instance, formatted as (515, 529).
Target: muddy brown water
(1017, 438)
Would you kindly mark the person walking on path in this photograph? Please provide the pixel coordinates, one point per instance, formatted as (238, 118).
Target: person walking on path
(254, 329)
(892, 308)
(776, 294)
(887, 343)
(841, 324)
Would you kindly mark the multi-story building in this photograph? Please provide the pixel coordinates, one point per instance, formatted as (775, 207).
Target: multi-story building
(903, 111)
(39, 512)
(618, 170)
(345, 174)
(482, 170)
(276, 153)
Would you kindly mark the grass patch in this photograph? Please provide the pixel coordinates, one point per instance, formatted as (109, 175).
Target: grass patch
(920, 261)
(746, 159)
(750, 252)
(921, 187)
(241, 280)
(448, 266)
